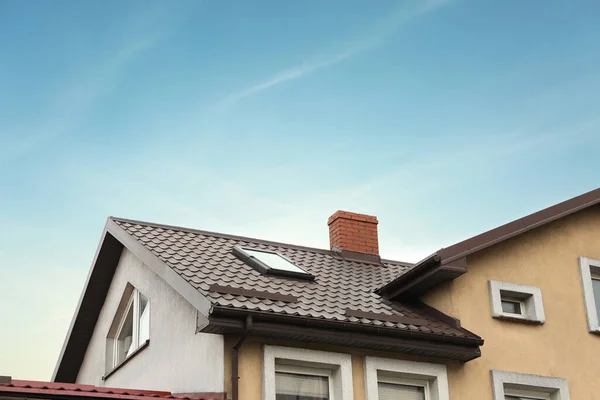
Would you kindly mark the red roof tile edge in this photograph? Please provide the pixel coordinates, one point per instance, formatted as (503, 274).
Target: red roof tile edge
(77, 390)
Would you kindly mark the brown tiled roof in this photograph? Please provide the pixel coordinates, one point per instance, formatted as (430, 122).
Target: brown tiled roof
(204, 259)
(32, 389)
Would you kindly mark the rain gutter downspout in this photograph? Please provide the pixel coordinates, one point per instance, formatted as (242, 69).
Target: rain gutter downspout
(234, 359)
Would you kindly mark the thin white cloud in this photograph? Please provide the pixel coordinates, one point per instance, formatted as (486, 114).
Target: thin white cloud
(288, 75)
(383, 29)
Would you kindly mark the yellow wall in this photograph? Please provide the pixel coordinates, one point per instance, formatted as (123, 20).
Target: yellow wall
(547, 258)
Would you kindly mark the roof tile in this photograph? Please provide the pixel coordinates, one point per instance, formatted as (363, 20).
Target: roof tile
(204, 258)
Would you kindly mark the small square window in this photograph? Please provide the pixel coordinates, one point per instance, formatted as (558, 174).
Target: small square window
(516, 302)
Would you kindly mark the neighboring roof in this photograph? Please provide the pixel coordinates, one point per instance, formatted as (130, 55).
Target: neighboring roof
(52, 390)
(202, 267)
(452, 256)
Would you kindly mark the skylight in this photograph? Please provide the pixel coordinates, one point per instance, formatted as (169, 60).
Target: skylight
(271, 263)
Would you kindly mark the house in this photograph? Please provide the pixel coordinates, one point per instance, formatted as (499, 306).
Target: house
(188, 311)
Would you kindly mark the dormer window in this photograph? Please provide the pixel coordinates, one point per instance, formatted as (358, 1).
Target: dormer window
(271, 263)
(130, 330)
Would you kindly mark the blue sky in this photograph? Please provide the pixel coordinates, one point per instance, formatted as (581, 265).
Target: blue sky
(443, 118)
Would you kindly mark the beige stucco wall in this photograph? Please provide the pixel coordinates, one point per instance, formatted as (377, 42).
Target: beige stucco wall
(547, 258)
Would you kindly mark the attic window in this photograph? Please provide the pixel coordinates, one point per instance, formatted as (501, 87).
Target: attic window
(271, 263)
(130, 329)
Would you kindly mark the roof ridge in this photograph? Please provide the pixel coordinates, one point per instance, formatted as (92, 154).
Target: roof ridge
(244, 238)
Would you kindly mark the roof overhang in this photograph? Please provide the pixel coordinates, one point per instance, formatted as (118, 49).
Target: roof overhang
(429, 273)
(114, 239)
(312, 330)
(450, 262)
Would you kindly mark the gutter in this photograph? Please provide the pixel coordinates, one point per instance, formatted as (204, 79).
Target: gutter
(350, 327)
(431, 261)
(235, 358)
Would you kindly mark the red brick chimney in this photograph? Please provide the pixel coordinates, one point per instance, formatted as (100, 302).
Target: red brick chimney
(354, 232)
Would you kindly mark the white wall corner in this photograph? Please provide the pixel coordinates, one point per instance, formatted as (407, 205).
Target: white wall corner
(585, 271)
(339, 363)
(435, 374)
(557, 388)
(202, 321)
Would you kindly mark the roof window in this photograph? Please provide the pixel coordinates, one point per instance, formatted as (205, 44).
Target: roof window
(271, 263)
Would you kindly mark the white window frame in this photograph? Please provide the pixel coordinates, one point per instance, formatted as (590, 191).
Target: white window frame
(129, 301)
(506, 383)
(433, 377)
(530, 298)
(509, 299)
(310, 362)
(526, 393)
(294, 369)
(590, 269)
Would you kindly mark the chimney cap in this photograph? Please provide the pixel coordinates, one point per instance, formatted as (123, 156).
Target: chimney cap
(352, 216)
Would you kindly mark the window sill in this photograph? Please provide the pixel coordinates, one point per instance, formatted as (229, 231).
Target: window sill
(519, 318)
(125, 361)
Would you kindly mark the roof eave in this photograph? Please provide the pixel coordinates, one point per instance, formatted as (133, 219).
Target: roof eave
(421, 278)
(226, 320)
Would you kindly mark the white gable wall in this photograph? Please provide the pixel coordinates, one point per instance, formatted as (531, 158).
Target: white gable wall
(177, 359)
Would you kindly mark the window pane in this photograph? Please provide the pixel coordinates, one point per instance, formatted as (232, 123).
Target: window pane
(301, 387)
(274, 261)
(125, 339)
(511, 307)
(596, 286)
(393, 391)
(144, 320)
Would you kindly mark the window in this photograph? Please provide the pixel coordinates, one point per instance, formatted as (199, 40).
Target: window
(393, 388)
(590, 280)
(271, 263)
(388, 379)
(516, 302)
(511, 306)
(130, 329)
(302, 374)
(297, 383)
(525, 395)
(515, 386)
